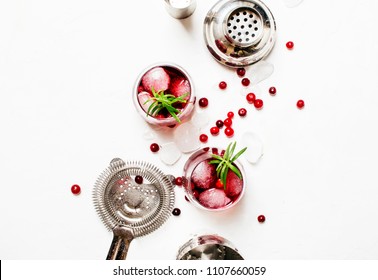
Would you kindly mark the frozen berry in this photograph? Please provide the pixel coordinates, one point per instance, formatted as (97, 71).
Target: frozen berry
(290, 45)
(214, 130)
(272, 90)
(258, 103)
(222, 85)
(75, 189)
(240, 72)
(261, 218)
(203, 102)
(138, 179)
(176, 212)
(219, 123)
(178, 181)
(230, 115)
(229, 131)
(245, 82)
(242, 112)
(251, 97)
(300, 104)
(203, 138)
(154, 147)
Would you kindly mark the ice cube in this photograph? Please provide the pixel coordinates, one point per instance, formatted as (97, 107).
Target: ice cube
(292, 3)
(180, 86)
(157, 79)
(204, 175)
(169, 153)
(149, 134)
(214, 198)
(200, 119)
(234, 185)
(254, 146)
(261, 71)
(143, 97)
(186, 137)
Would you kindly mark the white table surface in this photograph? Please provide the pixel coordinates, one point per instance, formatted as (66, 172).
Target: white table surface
(67, 69)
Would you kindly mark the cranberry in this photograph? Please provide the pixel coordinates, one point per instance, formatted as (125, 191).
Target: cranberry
(242, 112)
(203, 102)
(240, 72)
(203, 138)
(300, 103)
(139, 179)
(219, 124)
(222, 85)
(178, 181)
(290, 45)
(230, 115)
(251, 97)
(214, 130)
(229, 131)
(176, 212)
(272, 90)
(75, 189)
(261, 218)
(258, 103)
(154, 147)
(227, 122)
(245, 82)
(219, 184)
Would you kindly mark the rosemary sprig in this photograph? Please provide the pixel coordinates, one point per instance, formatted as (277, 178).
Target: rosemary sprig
(225, 163)
(160, 100)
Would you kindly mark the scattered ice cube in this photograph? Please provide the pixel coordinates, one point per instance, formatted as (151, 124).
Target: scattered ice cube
(254, 147)
(186, 137)
(148, 134)
(200, 119)
(292, 3)
(169, 153)
(260, 71)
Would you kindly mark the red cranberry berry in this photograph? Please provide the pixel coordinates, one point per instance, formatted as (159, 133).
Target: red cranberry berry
(214, 130)
(229, 131)
(219, 184)
(75, 189)
(222, 85)
(245, 82)
(178, 181)
(290, 45)
(251, 97)
(139, 179)
(300, 104)
(230, 115)
(176, 212)
(203, 138)
(258, 103)
(272, 90)
(154, 147)
(242, 112)
(240, 72)
(203, 102)
(227, 122)
(261, 218)
(219, 123)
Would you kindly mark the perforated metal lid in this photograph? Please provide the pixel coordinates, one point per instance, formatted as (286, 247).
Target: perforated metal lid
(239, 33)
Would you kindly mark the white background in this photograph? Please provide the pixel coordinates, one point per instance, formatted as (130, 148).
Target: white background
(67, 70)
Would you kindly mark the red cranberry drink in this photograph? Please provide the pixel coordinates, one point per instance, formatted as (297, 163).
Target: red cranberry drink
(163, 94)
(214, 179)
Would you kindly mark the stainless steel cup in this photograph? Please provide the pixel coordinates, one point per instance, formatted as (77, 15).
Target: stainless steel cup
(180, 8)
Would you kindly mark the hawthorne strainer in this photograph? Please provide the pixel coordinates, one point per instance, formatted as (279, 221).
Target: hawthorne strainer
(132, 209)
(239, 32)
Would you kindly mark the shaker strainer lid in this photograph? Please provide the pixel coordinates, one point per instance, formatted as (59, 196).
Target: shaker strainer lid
(239, 32)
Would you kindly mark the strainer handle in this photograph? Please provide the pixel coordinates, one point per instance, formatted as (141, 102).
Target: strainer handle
(120, 244)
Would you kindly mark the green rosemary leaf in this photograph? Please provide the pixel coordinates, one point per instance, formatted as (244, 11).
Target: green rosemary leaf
(238, 154)
(217, 157)
(235, 170)
(214, 161)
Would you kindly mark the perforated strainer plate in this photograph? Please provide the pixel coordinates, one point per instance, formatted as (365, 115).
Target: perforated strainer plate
(130, 209)
(239, 33)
